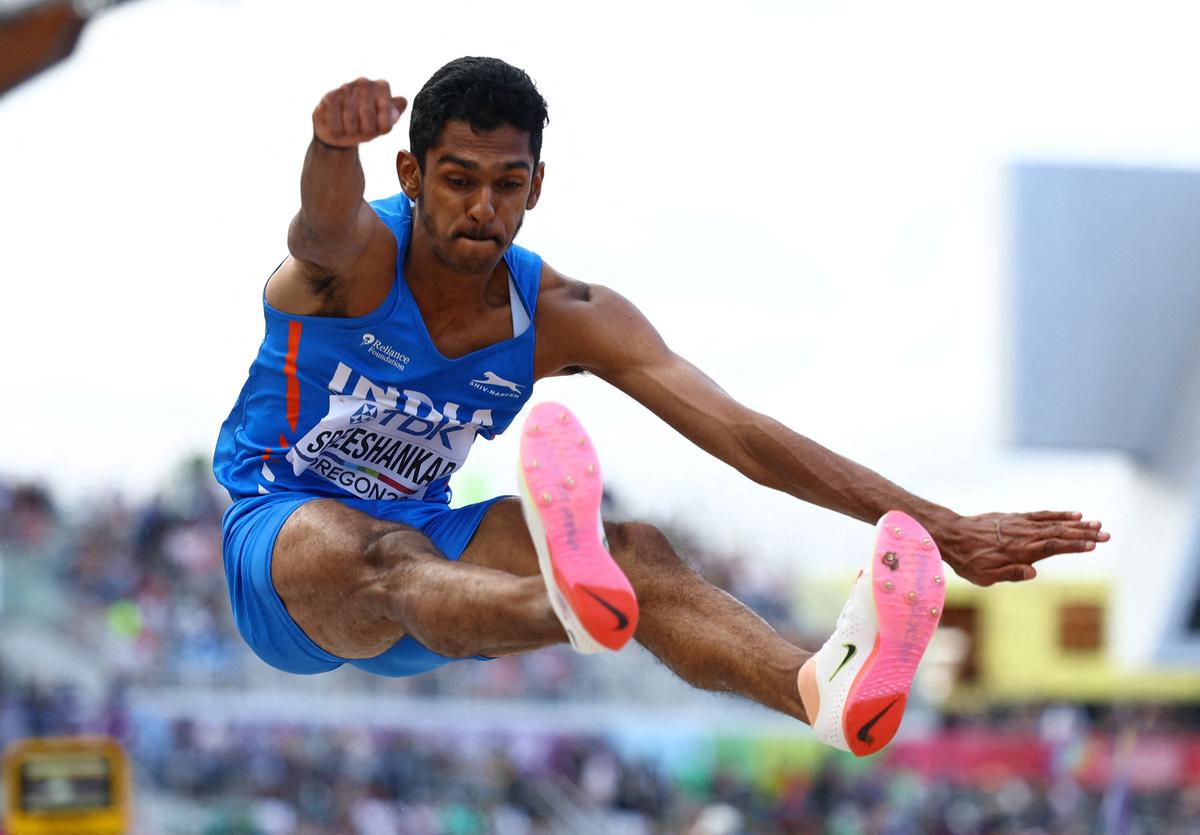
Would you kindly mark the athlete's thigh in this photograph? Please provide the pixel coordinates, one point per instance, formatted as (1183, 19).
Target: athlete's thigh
(320, 569)
(502, 541)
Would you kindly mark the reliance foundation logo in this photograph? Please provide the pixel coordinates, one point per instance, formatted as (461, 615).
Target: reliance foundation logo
(385, 352)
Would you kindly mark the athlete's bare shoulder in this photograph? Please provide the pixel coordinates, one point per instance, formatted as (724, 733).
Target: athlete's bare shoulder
(558, 293)
(587, 327)
(305, 288)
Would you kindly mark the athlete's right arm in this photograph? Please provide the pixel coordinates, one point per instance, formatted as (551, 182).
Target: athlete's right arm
(336, 239)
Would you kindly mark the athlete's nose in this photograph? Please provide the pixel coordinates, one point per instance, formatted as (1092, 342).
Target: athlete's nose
(481, 210)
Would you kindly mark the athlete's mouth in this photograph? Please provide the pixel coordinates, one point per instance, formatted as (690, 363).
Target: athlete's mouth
(478, 238)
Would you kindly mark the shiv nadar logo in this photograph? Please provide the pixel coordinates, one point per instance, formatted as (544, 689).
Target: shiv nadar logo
(495, 385)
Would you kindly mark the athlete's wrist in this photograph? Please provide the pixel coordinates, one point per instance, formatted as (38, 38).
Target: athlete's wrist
(942, 524)
(946, 530)
(317, 140)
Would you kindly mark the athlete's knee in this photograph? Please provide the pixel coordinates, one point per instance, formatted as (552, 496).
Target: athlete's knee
(334, 538)
(356, 567)
(638, 546)
(394, 548)
(391, 578)
(408, 585)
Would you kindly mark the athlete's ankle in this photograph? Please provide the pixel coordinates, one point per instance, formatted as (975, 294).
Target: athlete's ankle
(810, 696)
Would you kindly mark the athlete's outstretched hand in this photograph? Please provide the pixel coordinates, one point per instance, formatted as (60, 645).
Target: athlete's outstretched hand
(995, 547)
(356, 112)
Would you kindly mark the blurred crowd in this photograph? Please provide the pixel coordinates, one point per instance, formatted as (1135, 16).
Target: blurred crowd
(216, 777)
(286, 780)
(141, 585)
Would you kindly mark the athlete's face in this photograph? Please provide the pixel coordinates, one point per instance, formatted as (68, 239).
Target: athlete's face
(473, 194)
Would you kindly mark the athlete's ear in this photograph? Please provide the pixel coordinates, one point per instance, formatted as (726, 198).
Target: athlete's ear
(409, 173)
(535, 191)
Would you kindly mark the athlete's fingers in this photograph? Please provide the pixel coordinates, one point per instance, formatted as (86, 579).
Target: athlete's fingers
(1018, 573)
(336, 119)
(1049, 531)
(1051, 547)
(1054, 516)
(1073, 531)
(350, 102)
(337, 106)
(1008, 574)
(1087, 531)
(327, 119)
(368, 123)
(361, 109)
(385, 113)
(400, 103)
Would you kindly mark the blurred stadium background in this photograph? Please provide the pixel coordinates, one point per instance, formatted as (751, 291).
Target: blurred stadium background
(1016, 182)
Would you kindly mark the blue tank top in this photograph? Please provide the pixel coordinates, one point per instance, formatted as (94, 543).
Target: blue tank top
(367, 407)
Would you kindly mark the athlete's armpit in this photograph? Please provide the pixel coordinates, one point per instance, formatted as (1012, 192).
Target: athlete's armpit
(303, 289)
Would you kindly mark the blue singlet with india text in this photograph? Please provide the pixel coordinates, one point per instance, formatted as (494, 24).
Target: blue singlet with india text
(367, 407)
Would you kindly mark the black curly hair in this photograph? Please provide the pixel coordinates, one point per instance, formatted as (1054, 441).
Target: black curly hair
(483, 92)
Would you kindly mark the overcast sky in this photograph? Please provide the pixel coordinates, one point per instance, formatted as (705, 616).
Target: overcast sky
(808, 199)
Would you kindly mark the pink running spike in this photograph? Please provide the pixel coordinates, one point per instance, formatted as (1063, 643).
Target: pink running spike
(589, 592)
(879, 693)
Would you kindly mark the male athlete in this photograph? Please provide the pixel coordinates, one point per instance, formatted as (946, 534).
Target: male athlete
(398, 331)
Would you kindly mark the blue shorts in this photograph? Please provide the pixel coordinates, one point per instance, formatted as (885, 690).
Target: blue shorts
(250, 527)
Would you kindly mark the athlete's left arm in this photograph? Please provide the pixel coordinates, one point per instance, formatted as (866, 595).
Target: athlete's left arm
(592, 328)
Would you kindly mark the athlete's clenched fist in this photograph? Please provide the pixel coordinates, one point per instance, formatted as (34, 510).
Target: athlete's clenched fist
(356, 112)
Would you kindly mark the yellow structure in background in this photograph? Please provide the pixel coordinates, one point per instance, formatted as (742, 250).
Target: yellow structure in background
(1041, 641)
(71, 785)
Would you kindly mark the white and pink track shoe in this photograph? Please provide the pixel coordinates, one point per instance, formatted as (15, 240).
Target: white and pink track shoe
(561, 490)
(864, 671)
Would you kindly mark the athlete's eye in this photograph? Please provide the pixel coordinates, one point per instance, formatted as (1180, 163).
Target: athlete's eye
(511, 184)
(457, 182)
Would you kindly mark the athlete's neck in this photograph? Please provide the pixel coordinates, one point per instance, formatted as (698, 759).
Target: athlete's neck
(437, 283)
